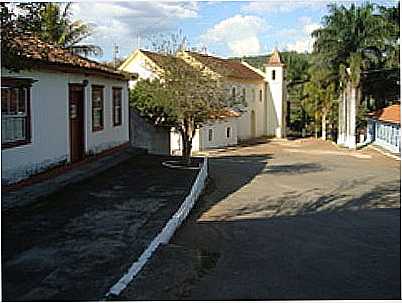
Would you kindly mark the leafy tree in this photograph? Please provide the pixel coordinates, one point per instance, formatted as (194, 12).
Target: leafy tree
(320, 92)
(51, 22)
(58, 28)
(182, 96)
(9, 54)
(355, 41)
(358, 38)
(391, 24)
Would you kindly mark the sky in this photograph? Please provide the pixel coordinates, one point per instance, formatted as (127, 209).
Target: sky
(224, 28)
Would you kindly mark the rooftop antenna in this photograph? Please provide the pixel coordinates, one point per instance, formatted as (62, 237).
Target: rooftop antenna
(115, 52)
(138, 41)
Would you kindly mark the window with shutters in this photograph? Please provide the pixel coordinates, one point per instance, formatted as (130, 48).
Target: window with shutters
(97, 108)
(15, 113)
(117, 110)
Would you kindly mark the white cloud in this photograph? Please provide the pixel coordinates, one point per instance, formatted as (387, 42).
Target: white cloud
(300, 46)
(303, 42)
(281, 6)
(238, 33)
(122, 22)
(284, 6)
(308, 25)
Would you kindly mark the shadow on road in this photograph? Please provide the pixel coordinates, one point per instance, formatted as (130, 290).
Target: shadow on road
(218, 188)
(296, 168)
(349, 252)
(75, 244)
(295, 246)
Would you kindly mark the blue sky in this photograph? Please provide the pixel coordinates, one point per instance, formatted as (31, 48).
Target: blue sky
(225, 28)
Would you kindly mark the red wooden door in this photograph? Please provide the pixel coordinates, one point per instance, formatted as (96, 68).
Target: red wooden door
(76, 114)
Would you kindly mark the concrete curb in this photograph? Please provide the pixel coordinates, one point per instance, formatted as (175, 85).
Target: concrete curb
(373, 147)
(167, 232)
(170, 164)
(384, 152)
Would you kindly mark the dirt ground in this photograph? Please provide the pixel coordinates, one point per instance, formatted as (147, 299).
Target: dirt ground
(76, 243)
(283, 220)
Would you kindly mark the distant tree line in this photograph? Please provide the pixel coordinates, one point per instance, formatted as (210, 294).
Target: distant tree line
(357, 48)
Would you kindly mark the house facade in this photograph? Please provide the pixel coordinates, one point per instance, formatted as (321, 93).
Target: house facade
(62, 110)
(264, 93)
(384, 128)
(214, 134)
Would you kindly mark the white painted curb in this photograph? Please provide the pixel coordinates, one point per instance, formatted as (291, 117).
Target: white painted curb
(167, 232)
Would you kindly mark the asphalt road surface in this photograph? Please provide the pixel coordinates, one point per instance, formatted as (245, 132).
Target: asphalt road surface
(285, 220)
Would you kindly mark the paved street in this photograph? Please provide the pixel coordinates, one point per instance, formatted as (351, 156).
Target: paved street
(283, 220)
(76, 243)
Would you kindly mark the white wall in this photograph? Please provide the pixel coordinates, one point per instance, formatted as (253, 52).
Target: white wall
(140, 65)
(50, 124)
(219, 136)
(49, 129)
(276, 101)
(253, 104)
(176, 142)
(387, 135)
(201, 138)
(110, 136)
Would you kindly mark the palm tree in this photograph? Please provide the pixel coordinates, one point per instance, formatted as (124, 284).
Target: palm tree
(354, 30)
(52, 23)
(356, 37)
(320, 94)
(57, 27)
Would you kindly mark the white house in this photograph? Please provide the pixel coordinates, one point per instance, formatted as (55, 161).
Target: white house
(383, 128)
(218, 133)
(62, 109)
(264, 93)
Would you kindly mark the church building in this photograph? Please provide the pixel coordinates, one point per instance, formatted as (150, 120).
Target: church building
(264, 92)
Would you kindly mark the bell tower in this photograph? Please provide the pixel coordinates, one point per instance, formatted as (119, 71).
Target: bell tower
(275, 76)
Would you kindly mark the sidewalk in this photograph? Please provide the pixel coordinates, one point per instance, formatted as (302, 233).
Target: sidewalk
(384, 152)
(75, 243)
(26, 195)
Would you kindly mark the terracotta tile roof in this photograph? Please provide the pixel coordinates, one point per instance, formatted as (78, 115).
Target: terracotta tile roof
(162, 60)
(228, 113)
(32, 48)
(390, 114)
(159, 59)
(227, 67)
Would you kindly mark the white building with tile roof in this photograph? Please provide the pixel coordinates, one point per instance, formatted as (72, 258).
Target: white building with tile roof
(264, 92)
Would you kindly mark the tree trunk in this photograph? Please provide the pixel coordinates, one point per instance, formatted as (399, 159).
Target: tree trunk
(315, 125)
(324, 126)
(352, 113)
(187, 134)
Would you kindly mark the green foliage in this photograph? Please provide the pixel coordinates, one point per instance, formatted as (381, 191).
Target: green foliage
(148, 99)
(297, 64)
(58, 28)
(355, 41)
(181, 92)
(182, 96)
(49, 21)
(9, 27)
(353, 30)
